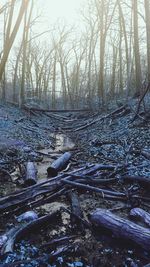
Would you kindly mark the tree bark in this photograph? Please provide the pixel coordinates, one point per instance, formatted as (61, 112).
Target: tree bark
(138, 73)
(147, 18)
(10, 40)
(141, 214)
(58, 164)
(121, 228)
(31, 174)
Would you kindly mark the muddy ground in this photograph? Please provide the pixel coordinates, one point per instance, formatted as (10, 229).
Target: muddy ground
(43, 137)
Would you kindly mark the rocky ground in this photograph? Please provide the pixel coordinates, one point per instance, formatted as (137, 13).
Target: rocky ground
(93, 137)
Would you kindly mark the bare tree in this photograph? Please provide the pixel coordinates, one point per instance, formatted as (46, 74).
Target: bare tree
(105, 13)
(11, 34)
(138, 73)
(147, 19)
(54, 80)
(25, 43)
(113, 75)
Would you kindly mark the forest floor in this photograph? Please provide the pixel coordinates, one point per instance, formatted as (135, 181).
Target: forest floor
(92, 137)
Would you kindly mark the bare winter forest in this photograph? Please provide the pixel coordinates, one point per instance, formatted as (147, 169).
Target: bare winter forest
(75, 133)
(107, 59)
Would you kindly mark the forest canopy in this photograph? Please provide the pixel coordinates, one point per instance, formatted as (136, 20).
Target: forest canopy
(108, 57)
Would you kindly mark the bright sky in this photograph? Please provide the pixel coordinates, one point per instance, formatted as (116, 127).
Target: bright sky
(69, 10)
(50, 11)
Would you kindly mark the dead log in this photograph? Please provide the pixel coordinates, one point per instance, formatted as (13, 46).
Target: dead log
(121, 228)
(95, 189)
(76, 209)
(58, 241)
(26, 196)
(94, 168)
(48, 199)
(145, 181)
(58, 164)
(89, 123)
(47, 190)
(31, 174)
(18, 233)
(54, 110)
(84, 179)
(141, 214)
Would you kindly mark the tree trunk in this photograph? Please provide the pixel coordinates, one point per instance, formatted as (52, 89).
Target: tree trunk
(112, 86)
(31, 174)
(12, 37)
(54, 83)
(121, 228)
(58, 165)
(25, 43)
(147, 17)
(120, 58)
(138, 73)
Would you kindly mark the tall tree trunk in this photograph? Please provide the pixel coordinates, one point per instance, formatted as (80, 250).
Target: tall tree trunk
(138, 73)
(54, 83)
(11, 38)
(63, 84)
(120, 57)
(15, 99)
(4, 42)
(112, 85)
(22, 88)
(25, 44)
(102, 52)
(147, 18)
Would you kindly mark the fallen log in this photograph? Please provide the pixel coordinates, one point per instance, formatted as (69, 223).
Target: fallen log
(94, 168)
(16, 234)
(89, 123)
(26, 196)
(60, 117)
(95, 189)
(58, 241)
(47, 199)
(75, 209)
(84, 179)
(141, 214)
(59, 164)
(54, 110)
(121, 228)
(11, 202)
(31, 174)
(46, 191)
(145, 181)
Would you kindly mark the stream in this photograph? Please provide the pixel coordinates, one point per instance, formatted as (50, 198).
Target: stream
(44, 146)
(25, 249)
(61, 143)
